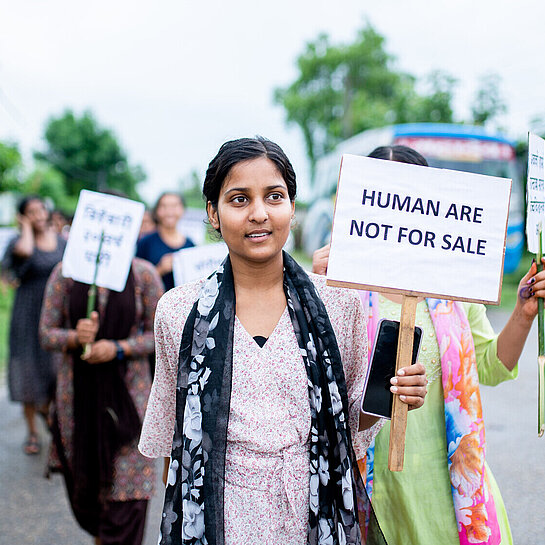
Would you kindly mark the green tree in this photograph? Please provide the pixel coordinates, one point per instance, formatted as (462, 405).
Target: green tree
(342, 90)
(88, 156)
(191, 189)
(488, 102)
(10, 167)
(48, 182)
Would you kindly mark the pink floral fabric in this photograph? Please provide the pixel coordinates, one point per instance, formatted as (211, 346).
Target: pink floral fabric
(473, 503)
(267, 467)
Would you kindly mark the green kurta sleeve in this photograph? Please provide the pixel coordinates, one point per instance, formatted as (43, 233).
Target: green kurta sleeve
(491, 369)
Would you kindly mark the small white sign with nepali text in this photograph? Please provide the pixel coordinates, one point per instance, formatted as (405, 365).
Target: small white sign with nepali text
(120, 220)
(535, 191)
(419, 230)
(198, 262)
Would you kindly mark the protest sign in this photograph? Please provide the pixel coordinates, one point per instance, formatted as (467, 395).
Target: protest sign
(193, 225)
(119, 219)
(198, 262)
(535, 191)
(418, 230)
(535, 214)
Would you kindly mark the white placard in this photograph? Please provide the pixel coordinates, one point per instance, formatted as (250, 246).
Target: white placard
(419, 230)
(120, 220)
(535, 191)
(198, 262)
(193, 225)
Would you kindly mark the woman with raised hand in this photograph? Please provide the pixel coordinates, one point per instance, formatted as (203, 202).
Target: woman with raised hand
(29, 259)
(446, 492)
(259, 377)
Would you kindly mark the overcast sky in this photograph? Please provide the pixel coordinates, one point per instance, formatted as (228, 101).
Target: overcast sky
(175, 79)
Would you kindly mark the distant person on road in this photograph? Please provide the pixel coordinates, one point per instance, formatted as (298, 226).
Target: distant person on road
(148, 225)
(30, 258)
(446, 493)
(159, 246)
(60, 223)
(101, 399)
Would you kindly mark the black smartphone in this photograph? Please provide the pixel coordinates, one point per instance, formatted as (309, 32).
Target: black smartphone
(377, 399)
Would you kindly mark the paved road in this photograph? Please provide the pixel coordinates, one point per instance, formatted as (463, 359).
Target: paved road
(34, 510)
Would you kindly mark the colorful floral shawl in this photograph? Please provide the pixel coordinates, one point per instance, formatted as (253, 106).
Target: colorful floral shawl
(193, 510)
(473, 503)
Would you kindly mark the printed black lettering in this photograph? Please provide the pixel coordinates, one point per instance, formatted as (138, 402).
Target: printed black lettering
(401, 205)
(430, 238)
(434, 209)
(386, 227)
(417, 238)
(458, 245)
(371, 197)
(379, 200)
(452, 211)
(446, 242)
(372, 230)
(354, 225)
(418, 206)
(465, 212)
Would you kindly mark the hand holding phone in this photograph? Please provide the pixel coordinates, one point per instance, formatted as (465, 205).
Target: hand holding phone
(377, 399)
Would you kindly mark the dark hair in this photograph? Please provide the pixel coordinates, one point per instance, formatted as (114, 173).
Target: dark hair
(25, 201)
(59, 212)
(158, 202)
(401, 154)
(244, 149)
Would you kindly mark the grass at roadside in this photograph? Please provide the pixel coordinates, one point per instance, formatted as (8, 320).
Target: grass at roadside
(6, 301)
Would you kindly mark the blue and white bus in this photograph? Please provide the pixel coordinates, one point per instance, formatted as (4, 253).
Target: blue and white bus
(456, 147)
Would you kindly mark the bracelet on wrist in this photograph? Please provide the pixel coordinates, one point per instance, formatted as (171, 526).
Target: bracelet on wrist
(120, 353)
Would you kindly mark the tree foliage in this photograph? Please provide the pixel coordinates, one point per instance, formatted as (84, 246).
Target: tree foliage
(49, 183)
(342, 90)
(10, 166)
(488, 102)
(88, 156)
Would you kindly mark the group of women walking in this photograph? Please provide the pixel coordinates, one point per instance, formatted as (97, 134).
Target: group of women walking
(255, 403)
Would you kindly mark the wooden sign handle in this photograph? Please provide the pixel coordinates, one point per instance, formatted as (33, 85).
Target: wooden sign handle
(399, 410)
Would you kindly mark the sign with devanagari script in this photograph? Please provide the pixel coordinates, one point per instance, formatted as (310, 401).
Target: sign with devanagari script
(535, 191)
(120, 221)
(198, 262)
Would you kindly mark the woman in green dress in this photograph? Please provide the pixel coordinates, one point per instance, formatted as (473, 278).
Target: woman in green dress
(446, 493)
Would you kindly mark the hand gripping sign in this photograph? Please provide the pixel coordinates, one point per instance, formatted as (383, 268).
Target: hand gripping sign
(417, 231)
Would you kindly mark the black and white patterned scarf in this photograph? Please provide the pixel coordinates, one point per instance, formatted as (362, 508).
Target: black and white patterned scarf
(193, 511)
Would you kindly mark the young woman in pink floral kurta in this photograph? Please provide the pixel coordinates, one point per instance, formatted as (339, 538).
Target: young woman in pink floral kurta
(267, 475)
(287, 440)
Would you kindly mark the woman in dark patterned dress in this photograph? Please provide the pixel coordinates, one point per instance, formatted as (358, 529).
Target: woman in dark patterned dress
(101, 398)
(31, 257)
